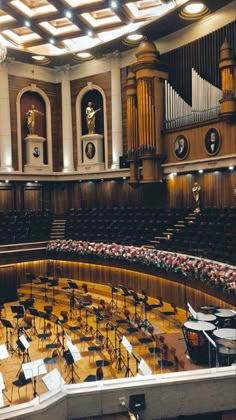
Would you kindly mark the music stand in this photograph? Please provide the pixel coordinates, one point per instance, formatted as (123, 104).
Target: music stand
(23, 345)
(72, 285)
(2, 387)
(30, 277)
(19, 310)
(128, 346)
(113, 304)
(44, 281)
(53, 283)
(34, 313)
(124, 294)
(7, 324)
(72, 355)
(32, 370)
(145, 369)
(53, 380)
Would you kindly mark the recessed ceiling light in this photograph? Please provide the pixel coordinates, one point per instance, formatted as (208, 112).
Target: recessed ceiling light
(194, 8)
(84, 55)
(52, 41)
(90, 33)
(200, 171)
(38, 57)
(231, 168)
(113, 4)
(27, 23)
(68, 14)
(134, 37)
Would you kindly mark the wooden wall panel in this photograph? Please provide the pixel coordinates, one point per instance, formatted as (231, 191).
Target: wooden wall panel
(33, 198)
(196, 138)
(217, 189)
(104, 82)
(7, 197)
(154, 285)
(53, 91)
(8, 283)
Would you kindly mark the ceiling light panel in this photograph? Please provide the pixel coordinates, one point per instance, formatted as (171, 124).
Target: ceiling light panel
(59, 26)
(81, 3)
(101, 18)
(33, 8)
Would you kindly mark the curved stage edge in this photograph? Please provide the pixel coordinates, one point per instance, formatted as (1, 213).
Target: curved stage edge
(171, 286)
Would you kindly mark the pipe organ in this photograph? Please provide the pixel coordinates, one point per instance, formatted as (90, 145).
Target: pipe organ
(205, 103)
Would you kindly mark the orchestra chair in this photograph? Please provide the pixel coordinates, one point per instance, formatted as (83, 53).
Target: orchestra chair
(20, 383)
(52, 361)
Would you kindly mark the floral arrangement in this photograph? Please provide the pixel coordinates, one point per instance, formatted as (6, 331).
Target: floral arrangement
(215, 274)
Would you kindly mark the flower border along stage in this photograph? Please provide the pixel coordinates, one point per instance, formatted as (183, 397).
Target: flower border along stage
(218, 275)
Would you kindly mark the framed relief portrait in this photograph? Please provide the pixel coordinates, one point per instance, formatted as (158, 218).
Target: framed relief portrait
(212, 141)
(90, 150)
(181, 147)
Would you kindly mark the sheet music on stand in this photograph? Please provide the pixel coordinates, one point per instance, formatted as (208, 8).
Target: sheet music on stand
(2, 387)
(145, 369)
(191, 310)
(73, 350)
(210, 339)
(53, 380)
(24, 341)
(35, 368)
(3, 352)
(126, 344)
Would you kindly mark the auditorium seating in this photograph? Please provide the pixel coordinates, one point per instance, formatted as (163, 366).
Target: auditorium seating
(25, 226)
(128, 226)
(210, 234)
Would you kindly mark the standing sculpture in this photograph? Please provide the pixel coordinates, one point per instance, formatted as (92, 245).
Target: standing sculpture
(30, 118)
(196, 195)
(90, 117)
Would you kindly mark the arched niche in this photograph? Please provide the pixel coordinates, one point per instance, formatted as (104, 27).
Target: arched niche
(27, 96)
(91, 93)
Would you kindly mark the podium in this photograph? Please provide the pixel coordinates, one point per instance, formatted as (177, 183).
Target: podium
(92, 153)
(34, 154)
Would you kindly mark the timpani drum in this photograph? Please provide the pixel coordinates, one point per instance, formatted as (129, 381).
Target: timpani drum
(196, 342)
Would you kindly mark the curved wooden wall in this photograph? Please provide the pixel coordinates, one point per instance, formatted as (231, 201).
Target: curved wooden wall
(172, 289)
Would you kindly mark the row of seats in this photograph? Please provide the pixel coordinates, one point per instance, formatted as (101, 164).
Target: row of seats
(25, 226)
(210, 235)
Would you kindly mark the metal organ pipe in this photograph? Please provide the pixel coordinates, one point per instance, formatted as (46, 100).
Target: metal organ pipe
(205, 103)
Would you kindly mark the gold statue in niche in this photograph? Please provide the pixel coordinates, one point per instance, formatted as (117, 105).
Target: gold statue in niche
(90, 118)
(196, 195)
(30, 118)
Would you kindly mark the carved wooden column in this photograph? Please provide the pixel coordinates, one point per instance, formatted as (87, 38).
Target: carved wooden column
(150, 76)
(227, 66)
(132, 127)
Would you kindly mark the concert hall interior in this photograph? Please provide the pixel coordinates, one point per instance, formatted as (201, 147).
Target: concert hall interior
(117, 209)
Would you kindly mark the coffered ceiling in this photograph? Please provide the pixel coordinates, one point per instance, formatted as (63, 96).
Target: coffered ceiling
(57, 30)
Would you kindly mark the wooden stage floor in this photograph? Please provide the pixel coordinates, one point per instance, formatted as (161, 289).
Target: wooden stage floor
(106, 325)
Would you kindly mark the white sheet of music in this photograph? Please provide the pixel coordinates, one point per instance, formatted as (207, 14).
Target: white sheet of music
(35, 368)
(74, 351)
(24, 341)
(2, 386)
(1, 399)
(145, 369)
(53, 380)
(127, 344)
(3, 352)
